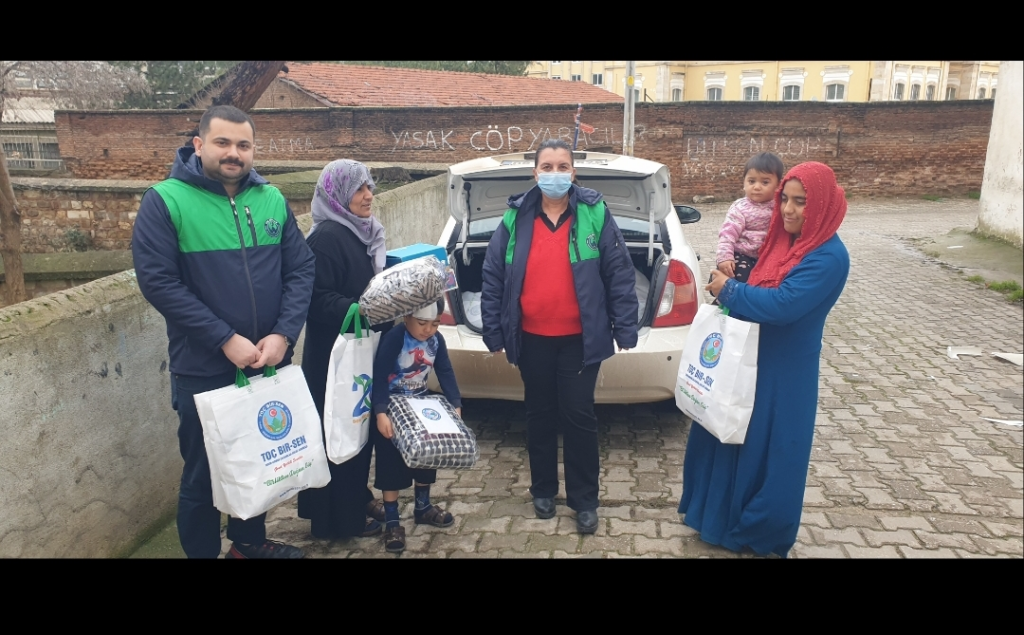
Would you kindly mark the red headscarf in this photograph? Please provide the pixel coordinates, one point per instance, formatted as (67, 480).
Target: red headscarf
(824, 212)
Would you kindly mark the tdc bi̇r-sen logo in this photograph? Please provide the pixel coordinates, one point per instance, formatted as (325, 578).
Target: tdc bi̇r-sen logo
(275, 420)
(711, 350)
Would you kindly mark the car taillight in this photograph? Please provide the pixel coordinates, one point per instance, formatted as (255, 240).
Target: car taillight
(446, 317)
(678, 303)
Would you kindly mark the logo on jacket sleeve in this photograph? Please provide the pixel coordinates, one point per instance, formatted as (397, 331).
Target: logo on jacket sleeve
(592, 242)
(272, 227)
(274, 420)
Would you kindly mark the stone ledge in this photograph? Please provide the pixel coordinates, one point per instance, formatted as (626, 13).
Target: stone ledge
(80, 185)
(18, 320)
(85, 265)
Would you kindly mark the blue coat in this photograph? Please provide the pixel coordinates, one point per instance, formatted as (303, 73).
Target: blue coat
(605, 286)
(212, 271)
(751, 495)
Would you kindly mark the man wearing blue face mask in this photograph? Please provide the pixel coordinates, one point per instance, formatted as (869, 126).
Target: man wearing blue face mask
(558, 293)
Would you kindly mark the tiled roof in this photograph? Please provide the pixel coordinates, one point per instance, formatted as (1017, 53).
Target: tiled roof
(351, 85)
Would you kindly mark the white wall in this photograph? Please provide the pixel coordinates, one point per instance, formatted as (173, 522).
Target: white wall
(90, 443)
(1002, 188)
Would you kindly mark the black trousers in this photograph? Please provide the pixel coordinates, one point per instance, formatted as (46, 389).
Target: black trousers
(559, 392)
(198, 519)
(391, 474)
(744, 265)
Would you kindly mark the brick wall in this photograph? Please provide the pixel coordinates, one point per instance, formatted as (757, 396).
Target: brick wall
(876, 149)
(58, 212)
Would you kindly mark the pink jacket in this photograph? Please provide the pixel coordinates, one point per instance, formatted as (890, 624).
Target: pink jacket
(744, 229)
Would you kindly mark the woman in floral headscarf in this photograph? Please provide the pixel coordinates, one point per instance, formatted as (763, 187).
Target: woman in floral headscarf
(349, 246)
(750, 496)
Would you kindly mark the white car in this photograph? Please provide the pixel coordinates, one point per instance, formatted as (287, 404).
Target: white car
(669, 280)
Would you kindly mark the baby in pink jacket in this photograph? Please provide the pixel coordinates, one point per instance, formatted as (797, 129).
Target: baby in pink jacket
(746, 223)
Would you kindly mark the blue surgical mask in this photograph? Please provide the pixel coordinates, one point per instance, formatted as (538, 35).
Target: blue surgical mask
(554, 184)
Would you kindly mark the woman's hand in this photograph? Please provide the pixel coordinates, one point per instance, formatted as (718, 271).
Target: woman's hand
(718, 280)
(384, 426)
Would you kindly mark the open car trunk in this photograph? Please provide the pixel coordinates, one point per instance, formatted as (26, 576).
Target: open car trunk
(465, 301)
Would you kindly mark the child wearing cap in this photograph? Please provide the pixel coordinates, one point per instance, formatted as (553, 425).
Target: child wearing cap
(405, 356)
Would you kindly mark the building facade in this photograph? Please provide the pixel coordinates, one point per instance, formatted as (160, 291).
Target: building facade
(838, 81)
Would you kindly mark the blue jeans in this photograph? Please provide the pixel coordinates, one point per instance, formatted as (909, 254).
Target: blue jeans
(198, 519)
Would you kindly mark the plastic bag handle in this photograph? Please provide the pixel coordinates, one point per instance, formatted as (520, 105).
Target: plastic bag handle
(353, 311)
(241, 381)
(725, 310)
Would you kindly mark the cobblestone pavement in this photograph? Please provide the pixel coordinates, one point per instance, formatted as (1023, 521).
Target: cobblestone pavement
(903, 465)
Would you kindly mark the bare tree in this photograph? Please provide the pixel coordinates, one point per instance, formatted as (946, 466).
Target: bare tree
(241, 87)
(67, 85)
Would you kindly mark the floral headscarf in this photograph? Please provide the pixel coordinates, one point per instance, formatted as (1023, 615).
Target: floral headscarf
(338, 183)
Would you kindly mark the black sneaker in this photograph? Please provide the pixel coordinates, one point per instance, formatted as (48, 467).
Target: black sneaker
(269, 549)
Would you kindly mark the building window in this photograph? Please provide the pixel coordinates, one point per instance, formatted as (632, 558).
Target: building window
(993, 95)
(792, 82)
(751, 93)
(897, 93)
(636, 95)
(556, 77)
(950, 94)
(930, 92)
(915, 92)
(835, 92)
(576, 78)
(556, 62)
(30, 151)
(597, 79)
(714, 94)
(981, 93)
(677, 94)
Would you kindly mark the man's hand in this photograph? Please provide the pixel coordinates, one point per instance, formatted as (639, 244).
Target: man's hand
(384, 426)
(241, 351)
(272, 349)
(728, 267)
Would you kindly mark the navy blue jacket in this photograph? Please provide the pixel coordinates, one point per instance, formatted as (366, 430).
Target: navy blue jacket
(386, 361)
(605, 287)
(212, 274)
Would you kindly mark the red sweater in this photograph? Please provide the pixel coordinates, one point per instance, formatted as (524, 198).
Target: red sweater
(548, 299)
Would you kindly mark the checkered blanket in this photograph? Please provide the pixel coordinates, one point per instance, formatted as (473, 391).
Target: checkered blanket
(403, 289)
(422, 450)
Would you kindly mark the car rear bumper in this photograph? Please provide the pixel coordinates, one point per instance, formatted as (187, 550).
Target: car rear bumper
(644, 374)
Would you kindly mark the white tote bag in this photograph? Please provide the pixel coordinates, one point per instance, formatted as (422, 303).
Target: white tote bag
(347, 405)
(263, 441)
(718, 373)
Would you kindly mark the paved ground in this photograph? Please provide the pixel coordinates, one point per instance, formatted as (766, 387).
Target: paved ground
(903, 466)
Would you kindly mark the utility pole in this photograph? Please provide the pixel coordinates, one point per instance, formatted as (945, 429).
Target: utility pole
(627, 120)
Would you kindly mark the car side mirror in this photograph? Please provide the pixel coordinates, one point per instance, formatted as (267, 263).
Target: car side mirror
(687, 214)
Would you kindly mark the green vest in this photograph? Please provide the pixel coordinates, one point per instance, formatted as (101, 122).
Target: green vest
(257, 218)
(589, 223)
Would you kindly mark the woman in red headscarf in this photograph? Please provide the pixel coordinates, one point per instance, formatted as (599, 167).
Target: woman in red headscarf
(750, 496)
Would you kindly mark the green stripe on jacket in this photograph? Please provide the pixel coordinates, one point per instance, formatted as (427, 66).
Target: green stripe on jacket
(196, 215)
